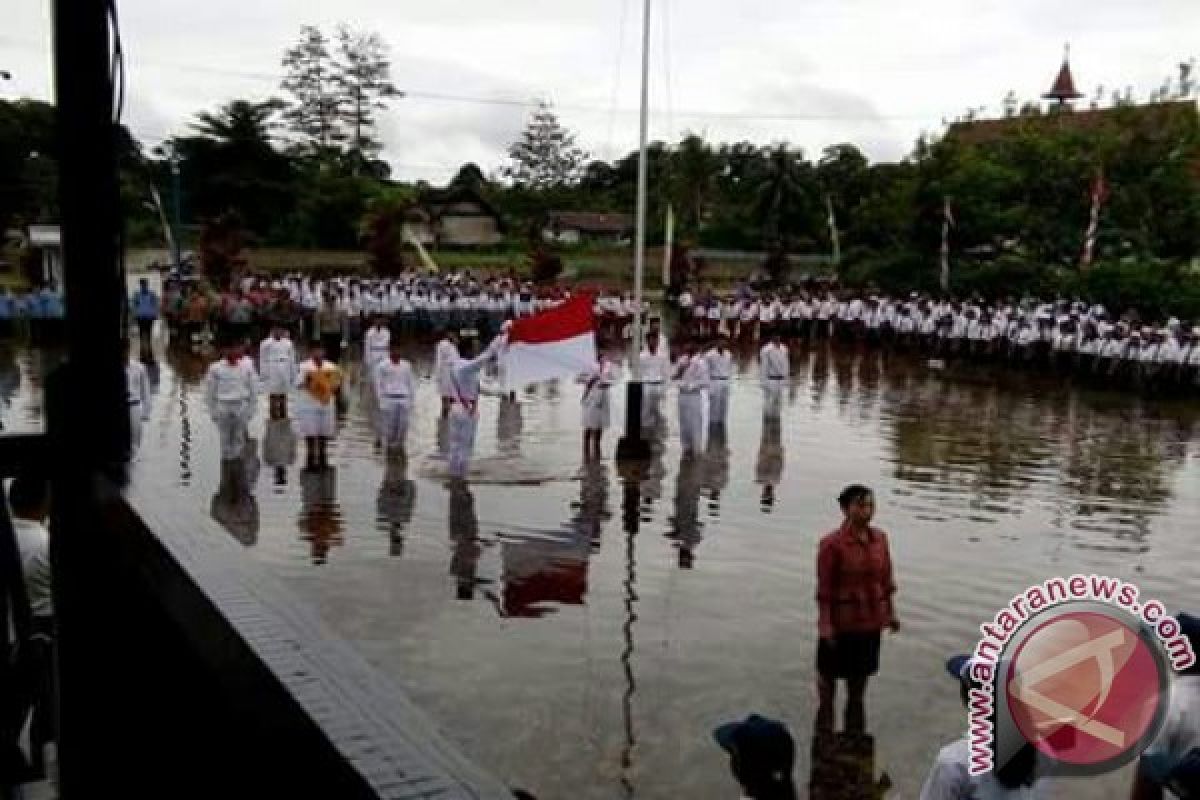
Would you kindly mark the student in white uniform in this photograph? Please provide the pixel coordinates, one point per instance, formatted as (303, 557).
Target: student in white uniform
(655, 367)
(231, 392)
(774, 369)
(376, 344)
(950, 777)
(463, 420)
(444, 356)
(395, 390)
(1170, 766)
(316, 409)
(277, 368)
(720, 373)
(691, 375)
(597, 405)
(137, 395)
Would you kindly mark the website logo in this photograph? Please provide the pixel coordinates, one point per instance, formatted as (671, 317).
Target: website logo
(1077, 668)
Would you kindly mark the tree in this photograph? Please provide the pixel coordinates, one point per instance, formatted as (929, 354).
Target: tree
(695, 168)
(785, 197)
(469, 177)
(317, 106)
(240, 122)
(363, 81)
(545, 157)
(221, 242)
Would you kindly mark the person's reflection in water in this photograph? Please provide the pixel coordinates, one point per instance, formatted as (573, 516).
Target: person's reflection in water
(509, 425)
(591, 512)
(843, 767)
(234, 505)
(279, 448)
(320, 518)
(768, 471)
(464, 538)
(686, 526)
(716, 470)
(397, 498)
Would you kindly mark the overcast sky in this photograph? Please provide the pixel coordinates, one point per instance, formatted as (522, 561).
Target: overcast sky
(811, 72)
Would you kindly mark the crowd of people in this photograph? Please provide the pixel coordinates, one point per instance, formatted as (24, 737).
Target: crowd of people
(1069, 336)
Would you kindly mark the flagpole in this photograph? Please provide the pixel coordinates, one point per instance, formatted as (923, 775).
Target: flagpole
(944, 280)
(833, 236)
(670, 241)
(633, 446)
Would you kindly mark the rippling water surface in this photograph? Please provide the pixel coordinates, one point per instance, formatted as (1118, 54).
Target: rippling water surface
(577, 659)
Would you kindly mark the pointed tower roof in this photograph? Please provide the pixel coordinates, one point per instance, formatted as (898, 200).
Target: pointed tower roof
(1064, 85)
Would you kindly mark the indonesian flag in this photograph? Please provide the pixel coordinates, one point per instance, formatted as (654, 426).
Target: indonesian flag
(558, 343)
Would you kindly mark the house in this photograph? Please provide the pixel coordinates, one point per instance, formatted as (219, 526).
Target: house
(575, 227)
(417, 226)
(455, 217)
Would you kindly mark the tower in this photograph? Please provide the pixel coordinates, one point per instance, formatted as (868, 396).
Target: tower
(1063, 91)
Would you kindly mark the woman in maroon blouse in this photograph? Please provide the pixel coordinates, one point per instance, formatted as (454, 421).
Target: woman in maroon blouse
(855, 587)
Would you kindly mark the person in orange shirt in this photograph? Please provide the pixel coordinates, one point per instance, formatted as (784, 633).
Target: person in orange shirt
(855, 587)
(316, 412)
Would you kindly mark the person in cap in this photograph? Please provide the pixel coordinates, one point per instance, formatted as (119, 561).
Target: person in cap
(1170, 766)
(950, 778)
(762, 756)
(855, 590)
(231, 394)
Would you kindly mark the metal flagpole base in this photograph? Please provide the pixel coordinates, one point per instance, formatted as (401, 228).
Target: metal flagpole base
(632, 446)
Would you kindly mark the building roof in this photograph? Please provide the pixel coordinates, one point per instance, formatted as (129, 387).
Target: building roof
(1064, 85)
(590, 221)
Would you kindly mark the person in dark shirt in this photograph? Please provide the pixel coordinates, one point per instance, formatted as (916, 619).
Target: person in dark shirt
(855, 587)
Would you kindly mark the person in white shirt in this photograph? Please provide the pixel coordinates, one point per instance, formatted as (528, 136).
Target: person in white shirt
(597, 405)
(463, 420)
(774, 370)
(395, 390)
(444, 355)
(950, 777)
(1170, 766)
(231, 392)
(137, 396)
(655, 364)
(376, 344)
(316, 409)
(691, 375)
(277, 368)
(720, 373)
(29, 502)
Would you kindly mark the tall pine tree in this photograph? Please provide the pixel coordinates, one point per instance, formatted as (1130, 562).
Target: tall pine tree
(363, 80)
(545, 156)
(317, 105)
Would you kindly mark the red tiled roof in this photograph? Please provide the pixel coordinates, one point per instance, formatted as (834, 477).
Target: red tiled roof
(1064, 85)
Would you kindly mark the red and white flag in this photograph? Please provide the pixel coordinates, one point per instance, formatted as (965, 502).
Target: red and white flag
(558, 343)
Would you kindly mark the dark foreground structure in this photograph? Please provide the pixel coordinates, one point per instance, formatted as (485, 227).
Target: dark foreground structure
(181, 671)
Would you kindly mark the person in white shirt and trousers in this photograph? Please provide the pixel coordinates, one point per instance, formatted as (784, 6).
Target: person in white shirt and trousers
(720, 372)
(655, 366)
(597, 405)
(463, 419)
(445, 355)
(277, 368)
(137, 394)
(231, 391)
(691, 375)
(775, 369)
(395, 389)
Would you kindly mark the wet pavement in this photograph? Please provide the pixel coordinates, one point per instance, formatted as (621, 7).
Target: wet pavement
(577, 659)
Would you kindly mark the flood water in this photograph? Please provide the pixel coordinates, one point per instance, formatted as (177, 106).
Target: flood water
(580, 660)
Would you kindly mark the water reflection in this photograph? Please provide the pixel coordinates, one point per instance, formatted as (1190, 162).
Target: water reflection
(768, 469)
(397, 499)
(466, 548)
(685, 525)
(843, 767)
(234, 505)
(320, 520)
(279, 449)
(716, 470)
(631, 502)
(509, 425)
(10, 379)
